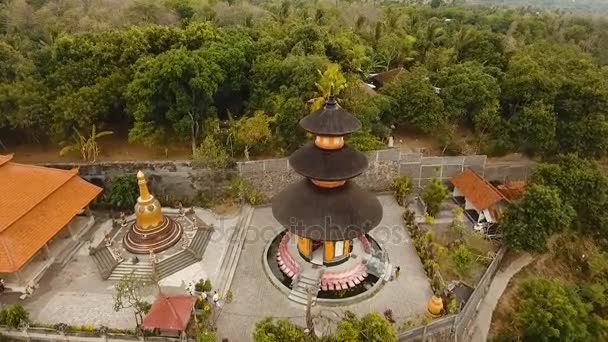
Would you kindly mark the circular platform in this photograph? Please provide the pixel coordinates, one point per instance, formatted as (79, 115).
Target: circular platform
(142, 241)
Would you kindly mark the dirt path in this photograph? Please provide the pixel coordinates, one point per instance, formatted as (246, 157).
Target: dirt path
(498, 286)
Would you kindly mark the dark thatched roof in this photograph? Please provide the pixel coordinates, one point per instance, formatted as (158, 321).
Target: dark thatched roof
(313, 162)
(322, 214)
(330, 120)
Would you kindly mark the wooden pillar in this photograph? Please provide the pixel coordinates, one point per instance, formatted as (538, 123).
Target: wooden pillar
(346, 246)
(304, 246)
(328, 251)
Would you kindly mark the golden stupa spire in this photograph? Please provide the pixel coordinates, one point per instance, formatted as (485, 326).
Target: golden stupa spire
(144, 193)
(148, 213)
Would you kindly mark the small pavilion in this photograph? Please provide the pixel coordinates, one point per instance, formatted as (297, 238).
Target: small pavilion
(40, 219)
(482, 202)
(170, 313)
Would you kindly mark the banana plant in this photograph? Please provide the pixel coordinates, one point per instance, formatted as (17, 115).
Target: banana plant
(87, 146)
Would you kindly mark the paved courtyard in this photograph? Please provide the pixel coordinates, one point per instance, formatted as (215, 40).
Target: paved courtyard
(255, 297)
(76, 294)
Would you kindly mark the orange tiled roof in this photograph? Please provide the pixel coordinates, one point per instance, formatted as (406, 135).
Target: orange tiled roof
(170, 312)
(512, 190)
(477, 190)
(35, 204)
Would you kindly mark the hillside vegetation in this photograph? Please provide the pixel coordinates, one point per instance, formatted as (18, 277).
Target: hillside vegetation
(238, 75)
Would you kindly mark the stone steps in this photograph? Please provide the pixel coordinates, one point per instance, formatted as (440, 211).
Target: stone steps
(105, 262)
(233, 251)
(298, 292)
(175, 263)
(200, 241)
(141, 269)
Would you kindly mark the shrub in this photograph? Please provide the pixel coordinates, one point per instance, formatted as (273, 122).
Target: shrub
(241, 189)
(123, 191)
(365, 141)
(15, 314)
(462, 257)
(402, 186)
(433, 195)
(211, 154)
(3, 314)
(203, 285)
(206, 336)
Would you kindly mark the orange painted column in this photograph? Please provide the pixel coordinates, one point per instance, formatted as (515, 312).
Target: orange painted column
(328, 251)
(346, 246)
(304, 246)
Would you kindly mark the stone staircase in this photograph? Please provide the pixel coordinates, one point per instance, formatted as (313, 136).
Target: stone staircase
(104, 260)
(168, 266)
(298, 291)
(141, 270)
(230, 258)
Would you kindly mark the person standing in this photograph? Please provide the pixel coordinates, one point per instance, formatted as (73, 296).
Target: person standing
(397, 271)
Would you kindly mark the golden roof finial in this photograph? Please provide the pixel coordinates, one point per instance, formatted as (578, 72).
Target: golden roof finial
(144, 194)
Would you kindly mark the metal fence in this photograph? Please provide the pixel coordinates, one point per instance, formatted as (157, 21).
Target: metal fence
(458, 325)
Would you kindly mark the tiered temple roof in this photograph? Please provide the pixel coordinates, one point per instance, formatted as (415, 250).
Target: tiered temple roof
(327, 205)
(35, 204)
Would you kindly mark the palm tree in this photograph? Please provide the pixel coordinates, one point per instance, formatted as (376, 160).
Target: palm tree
(331, 78)
(87, 146)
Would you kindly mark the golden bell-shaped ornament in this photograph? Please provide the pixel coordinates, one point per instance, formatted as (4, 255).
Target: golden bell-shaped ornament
(435, 306)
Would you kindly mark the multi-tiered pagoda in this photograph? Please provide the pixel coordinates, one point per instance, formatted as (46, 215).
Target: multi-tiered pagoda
(327, 211)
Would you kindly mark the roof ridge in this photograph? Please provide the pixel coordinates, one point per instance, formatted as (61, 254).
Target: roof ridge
(73, 173)
(489, 184)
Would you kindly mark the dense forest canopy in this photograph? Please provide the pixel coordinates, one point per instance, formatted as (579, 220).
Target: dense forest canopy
(583, 5)
(241, 74)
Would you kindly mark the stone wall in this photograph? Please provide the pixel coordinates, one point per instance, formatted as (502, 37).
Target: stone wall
(272, 175)
(167, 179)
(181, 180)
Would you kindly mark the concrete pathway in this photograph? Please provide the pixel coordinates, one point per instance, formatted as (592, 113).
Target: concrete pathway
(499, 284)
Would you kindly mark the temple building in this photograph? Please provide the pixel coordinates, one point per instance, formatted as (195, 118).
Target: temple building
(151, 232)
(326, 210)
(43, 215)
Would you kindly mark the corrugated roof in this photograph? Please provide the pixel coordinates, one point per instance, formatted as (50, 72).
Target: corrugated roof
(476, 189)
(170, 312)
(35, 204)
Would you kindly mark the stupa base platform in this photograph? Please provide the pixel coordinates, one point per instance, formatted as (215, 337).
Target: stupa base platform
(144, 241)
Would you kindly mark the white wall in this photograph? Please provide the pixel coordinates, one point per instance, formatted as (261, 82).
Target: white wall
(457, 192)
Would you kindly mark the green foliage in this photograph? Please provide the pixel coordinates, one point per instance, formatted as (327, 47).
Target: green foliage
(253, 133)
(13, 315)
(203, 285)
(243, 190)
(123, 191)
(528, 223)
(549, 310)
(206, 336)
(278, 330)
(365, 141)
(433, 195)
(86, 145)
(414, 101)
(463, 258)
(583, 186)
(401, 186)
(534, 126)
(371, 327)
(211, 154)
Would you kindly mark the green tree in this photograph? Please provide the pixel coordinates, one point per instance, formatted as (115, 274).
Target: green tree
(468, 90)
(371, 327)
(549, 310)
(583, 186)
(534, 128)
(253, 133)
(123, 191)
(278, 330)
(414, 101)
(433, 195)
(175, 87)
(462, 258)
(211, 153)
(128, 294)
(528, 223)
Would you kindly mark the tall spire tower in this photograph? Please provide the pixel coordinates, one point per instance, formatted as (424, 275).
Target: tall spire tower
(327, 210)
